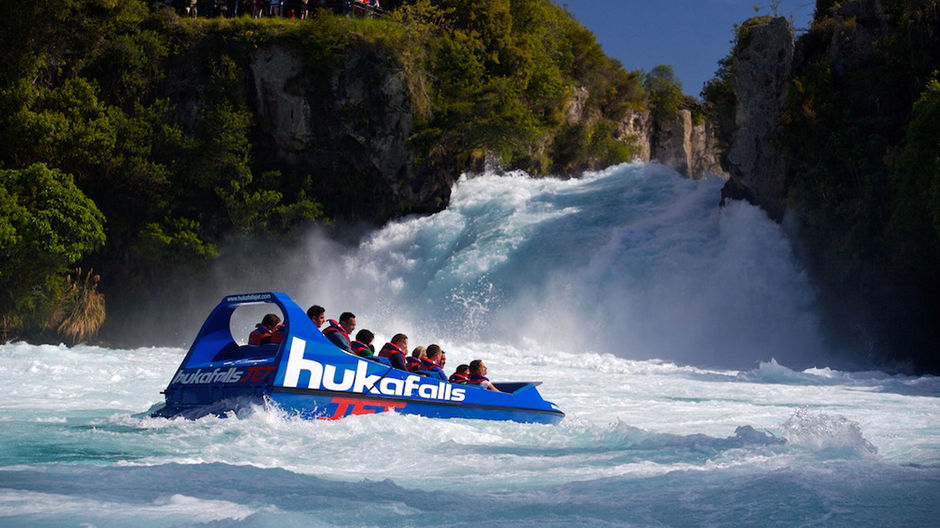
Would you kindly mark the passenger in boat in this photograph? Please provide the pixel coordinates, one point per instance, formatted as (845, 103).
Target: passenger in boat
(462, 376)
(413, 361)
(338, 333)
(430, 365)
(262, 333)
(362, 346)
(278, 335)
(443, 360)
(317, 314)
(478, 375)
(395, 351)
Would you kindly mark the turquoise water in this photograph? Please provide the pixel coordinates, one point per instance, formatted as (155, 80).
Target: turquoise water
(681, 341)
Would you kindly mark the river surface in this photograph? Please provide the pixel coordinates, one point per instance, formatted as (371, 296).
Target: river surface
(680, 339)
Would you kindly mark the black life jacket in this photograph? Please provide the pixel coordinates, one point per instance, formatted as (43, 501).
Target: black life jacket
(429, 366)
(361, 349)
(391, 349)
(412, 363)
(460, 379)
(333, 326)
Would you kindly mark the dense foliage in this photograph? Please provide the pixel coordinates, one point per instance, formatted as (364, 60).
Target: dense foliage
(860, 130)
(503, 73)
(154, 119)
(46, 225)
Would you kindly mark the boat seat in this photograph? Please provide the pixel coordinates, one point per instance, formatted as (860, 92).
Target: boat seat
(235, 352)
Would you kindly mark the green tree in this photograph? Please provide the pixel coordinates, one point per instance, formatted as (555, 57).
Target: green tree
(665, 93)
(46, 225)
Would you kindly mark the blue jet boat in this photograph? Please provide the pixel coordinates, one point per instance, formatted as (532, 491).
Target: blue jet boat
(307, 375)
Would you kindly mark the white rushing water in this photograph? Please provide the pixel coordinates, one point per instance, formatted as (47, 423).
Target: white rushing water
(603, 288)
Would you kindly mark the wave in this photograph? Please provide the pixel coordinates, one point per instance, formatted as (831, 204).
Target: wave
(634, 261)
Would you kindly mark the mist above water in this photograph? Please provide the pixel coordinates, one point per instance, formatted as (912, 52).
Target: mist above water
(634, 261)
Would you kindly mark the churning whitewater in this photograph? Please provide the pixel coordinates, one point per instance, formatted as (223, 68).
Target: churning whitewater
(679, 338)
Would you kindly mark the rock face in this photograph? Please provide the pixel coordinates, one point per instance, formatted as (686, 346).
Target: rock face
(858, 24)
(688, 147)
(762, 68)
(347, 126)
(637, 126)
(286, 109)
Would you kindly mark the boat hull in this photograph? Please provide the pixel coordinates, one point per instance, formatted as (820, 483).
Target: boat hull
(332, 405)
(306, 375)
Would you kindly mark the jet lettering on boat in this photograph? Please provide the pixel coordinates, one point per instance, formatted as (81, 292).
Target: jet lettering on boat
(322, 376)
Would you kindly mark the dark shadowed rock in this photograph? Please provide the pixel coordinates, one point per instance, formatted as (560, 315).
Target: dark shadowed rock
(762, 68)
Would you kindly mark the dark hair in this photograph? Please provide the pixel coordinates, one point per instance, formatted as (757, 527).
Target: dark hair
(364, 336)
(270, 320)
(345, 316)
(475, 366)
(434, 351)
(315, 311)
(463, 368)
(399, 338)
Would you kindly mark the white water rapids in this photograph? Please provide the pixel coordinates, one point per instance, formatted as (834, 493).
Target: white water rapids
(652, 317)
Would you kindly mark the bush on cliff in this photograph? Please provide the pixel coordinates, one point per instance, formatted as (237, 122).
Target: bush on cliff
(46, 224)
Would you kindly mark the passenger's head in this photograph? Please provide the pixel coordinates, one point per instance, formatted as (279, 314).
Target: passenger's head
(443, 359)
(364, 336)
(419, 352)
(400, 340)
(317, 314)
(478, 367)
(463, 369)
(434, 353)
(348, 321)
(270, 321)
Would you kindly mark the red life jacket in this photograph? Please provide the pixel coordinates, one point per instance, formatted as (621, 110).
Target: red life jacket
(476, 379)
(429, 365)
(460, 379)
(333, 326)
(391, 349)
(412, 363)
(361, 349)
(278, 335)
(261, 335)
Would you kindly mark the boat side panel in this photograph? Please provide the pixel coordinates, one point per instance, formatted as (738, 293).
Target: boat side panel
(333, 406)
(308, 366)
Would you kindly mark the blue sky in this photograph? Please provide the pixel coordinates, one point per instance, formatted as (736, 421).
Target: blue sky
(691, 35)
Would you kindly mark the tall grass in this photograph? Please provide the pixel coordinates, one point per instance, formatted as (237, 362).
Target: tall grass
(82, 308)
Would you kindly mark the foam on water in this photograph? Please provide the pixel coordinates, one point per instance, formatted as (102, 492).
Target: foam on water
(645, 442)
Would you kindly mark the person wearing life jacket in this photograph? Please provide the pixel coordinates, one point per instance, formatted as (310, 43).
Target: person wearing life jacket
(413, 361)
(278, 335)
(317, 315)
(478, 376)
(394, 350)
(430, 366)
(461, 376)
(362, 346)
(262, 333)
(338, 332)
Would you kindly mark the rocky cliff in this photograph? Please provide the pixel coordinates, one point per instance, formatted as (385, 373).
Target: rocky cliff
(838, 128)
(352, 122)
(761, 63)
(356, 119)
(688, 146)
